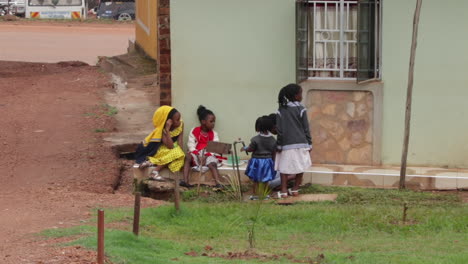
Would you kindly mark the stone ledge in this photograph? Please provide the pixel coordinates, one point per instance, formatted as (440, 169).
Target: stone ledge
(420, 178)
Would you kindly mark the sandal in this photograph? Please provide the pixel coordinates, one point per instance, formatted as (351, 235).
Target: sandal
(293, 192)
(253, 197)
(145, 164)
(155, 176)
(281, 195)
(219, 186)
(186, 185)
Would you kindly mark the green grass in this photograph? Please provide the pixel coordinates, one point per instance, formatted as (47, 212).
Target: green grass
(356, 195)
(90, 114)
(100, 130)
(109, 110)
(102, 110)
(361, 227)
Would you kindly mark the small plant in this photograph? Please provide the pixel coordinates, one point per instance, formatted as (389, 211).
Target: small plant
(100, 130)
(262, 191)
(189, 195)
(110, 110)
(234, 192)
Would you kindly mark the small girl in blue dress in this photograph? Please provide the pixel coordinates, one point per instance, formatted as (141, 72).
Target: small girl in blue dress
(261, 167)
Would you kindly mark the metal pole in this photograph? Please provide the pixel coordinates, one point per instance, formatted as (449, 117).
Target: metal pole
(136, 214)
(100, 249)
(236, 164)
(409, 95)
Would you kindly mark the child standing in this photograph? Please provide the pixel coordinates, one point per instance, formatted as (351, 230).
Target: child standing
(261, 168)
(197, 141)
(294, 141)
(162, 146)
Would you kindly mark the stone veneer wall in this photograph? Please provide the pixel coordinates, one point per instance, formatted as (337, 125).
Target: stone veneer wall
(164, 52)
(341, 126)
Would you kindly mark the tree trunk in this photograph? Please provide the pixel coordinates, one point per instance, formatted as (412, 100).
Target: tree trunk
(409, 95)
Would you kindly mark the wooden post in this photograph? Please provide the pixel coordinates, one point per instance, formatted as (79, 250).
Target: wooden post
(100, 249)
(139, 175)
(409, 95)
(136, 214)
(176, 192)
(405, 212)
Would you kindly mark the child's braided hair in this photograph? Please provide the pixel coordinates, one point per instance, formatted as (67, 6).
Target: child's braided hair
(203, 113)
(288, 94)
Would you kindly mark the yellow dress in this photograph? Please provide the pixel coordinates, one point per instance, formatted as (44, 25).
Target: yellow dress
(173, 157)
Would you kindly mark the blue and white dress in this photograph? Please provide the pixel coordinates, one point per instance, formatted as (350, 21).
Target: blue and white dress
(261, 167)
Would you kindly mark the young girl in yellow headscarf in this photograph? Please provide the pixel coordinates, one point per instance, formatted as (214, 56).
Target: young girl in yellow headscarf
(162, 146)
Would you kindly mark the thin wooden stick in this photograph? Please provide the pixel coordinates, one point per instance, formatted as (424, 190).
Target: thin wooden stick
(405, 212)
(409, 95)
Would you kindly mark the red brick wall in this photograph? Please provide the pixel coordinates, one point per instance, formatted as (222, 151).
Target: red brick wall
(164, 52)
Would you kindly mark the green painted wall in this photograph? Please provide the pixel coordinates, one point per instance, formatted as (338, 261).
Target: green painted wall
(233, 56)
(439, 127)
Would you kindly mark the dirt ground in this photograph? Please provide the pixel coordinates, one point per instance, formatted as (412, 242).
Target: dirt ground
(54, 41)
(54, 166)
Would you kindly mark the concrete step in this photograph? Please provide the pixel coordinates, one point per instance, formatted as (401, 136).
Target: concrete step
(143, 81)
(111, 65)
(125, 142)
(142, 65)
(136, 97)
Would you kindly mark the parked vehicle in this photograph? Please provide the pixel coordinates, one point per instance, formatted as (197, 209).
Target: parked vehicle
(120, 10)
(13, 7)
(56, 9)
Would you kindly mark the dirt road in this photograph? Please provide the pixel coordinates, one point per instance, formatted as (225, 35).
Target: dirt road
(54, 42)
(54, 166)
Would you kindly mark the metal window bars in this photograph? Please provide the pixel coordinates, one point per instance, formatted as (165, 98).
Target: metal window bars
(333, 39)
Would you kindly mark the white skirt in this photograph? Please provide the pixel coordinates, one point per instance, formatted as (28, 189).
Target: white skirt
(293, 161)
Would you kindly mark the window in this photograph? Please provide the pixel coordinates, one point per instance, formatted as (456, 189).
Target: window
(338, 39)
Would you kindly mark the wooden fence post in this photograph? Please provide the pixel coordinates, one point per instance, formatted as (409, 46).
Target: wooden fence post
(176, 192)
(136, 214)
(100, 249)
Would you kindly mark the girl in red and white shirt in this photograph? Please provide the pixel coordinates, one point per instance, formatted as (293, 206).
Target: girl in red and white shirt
(197, 141)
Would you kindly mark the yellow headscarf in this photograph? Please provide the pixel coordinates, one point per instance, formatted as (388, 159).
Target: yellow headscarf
(159, 121)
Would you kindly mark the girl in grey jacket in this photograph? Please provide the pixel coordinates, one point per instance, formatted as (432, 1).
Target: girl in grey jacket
(294, 142)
